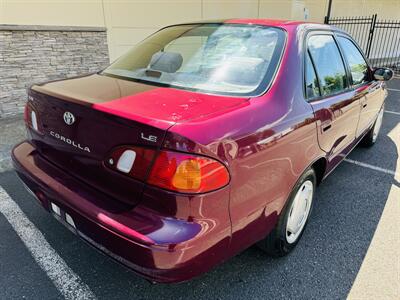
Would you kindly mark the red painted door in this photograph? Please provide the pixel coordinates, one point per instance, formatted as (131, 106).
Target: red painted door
(336, 106)
(371, 90)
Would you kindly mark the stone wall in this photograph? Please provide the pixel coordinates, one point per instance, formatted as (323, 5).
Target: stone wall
(34, 54)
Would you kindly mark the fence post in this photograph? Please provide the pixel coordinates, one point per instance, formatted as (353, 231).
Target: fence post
(328, 13)
(371, 35)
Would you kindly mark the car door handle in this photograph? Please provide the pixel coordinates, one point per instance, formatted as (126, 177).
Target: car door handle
(326, 127)
(364, 102)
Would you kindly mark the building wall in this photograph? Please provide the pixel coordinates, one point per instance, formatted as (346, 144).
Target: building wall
(24, 54)
(386, 9)
(37, 54)
(129, 21)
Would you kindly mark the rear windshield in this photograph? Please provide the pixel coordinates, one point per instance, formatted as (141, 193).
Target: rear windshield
(215, 58)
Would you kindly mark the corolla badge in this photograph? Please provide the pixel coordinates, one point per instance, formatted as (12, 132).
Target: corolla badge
(69, 141)
(69, 118)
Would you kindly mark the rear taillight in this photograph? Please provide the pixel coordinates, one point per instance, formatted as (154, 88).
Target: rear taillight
(173, 171)
(31, 118)
(26, 113)
(187, 173)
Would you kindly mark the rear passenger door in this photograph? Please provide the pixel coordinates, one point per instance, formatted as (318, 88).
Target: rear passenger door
(371, 91)
(336, 106)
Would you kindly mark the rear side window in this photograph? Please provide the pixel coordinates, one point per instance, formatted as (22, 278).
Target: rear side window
(312, 85)
(356, 61)
(328, 64)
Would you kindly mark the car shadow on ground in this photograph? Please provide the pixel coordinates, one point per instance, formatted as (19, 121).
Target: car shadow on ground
(325, 263)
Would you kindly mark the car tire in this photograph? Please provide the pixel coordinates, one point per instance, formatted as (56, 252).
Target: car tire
(281, 240)
(372, 135)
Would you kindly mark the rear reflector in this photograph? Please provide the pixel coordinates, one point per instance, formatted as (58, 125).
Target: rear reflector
(122, 228)
(126, 160)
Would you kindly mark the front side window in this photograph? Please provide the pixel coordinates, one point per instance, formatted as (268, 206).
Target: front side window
(328, 64)
(217, 58)
(356, 61)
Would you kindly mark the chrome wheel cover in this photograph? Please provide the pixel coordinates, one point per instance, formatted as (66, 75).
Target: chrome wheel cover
(299, 211)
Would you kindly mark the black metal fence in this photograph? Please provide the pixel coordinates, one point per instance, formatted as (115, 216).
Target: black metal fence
(379, 39)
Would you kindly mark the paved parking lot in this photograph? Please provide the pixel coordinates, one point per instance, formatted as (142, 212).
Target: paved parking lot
(350, 247)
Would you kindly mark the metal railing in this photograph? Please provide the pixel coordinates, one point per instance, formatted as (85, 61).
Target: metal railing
(379, 39)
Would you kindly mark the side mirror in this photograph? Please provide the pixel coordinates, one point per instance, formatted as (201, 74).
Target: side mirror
(383, 74)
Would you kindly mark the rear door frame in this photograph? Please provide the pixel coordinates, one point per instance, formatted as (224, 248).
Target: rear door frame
(338, 150)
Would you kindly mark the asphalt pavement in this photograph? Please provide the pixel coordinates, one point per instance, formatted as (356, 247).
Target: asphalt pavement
(350, 247)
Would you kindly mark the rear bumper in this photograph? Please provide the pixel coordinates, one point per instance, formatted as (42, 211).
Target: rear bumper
(160, 248)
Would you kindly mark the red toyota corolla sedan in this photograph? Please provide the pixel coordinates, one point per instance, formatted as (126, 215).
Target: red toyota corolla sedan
(203, 140)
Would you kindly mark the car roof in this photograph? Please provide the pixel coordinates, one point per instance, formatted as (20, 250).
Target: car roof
(266, 22)
(289, 25)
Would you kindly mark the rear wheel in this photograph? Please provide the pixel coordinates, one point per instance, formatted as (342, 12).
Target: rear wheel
(293, 218)
(372, 135)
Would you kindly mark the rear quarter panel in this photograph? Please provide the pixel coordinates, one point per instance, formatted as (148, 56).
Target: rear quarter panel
(266, 143)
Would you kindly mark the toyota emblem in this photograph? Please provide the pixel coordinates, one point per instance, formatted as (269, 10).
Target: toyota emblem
(69, 118)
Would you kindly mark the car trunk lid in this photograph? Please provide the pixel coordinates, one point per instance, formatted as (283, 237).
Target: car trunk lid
(83, 148)
(109, 113)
